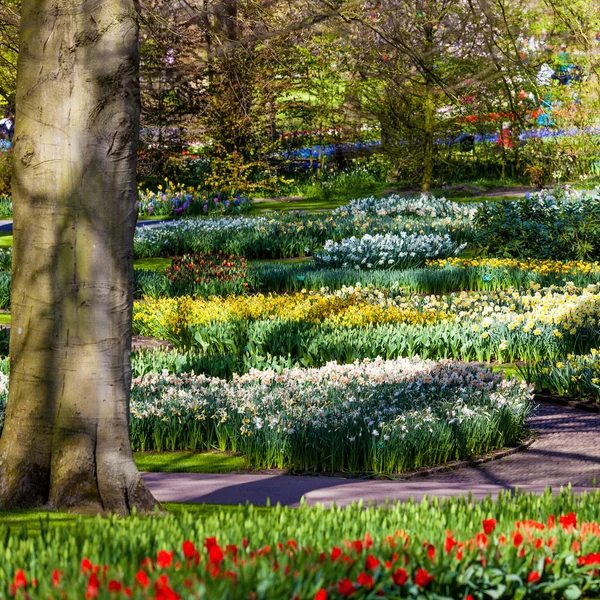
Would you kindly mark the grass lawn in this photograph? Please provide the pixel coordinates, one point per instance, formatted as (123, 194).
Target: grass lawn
(308, 204)
(32, 520)
(4, 318)
(280, 261)
(190, 462)
(6, 240)
(152, 264)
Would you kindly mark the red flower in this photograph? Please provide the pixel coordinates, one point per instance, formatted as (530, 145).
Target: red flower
(517, 539)
(450, 543)
(533, 577)
(93, 586)
(20, 579)
(358, 546)
(321, 595)
(568, 521)
(489, 525)
(55, 578)
(215, 555)
(365, 580)
(164, 559)
(371, 563)
(431, 552)
(423, 578)
(189, 550)
(142, 578)
(400, 577)
(163, 591)
(335, 554)
(345, 588)
(86, 565)
(114, 586)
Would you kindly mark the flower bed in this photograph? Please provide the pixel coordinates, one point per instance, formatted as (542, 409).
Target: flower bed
(515, 547)
(576, 377)
(547, 224)
(289, 235)
(377, 416)
(420, 206)
(380, 416)
(390, 251)
(314, 328)
(207, 275)
(179, 200)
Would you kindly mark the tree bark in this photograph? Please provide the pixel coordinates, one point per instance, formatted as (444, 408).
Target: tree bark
(66, 437)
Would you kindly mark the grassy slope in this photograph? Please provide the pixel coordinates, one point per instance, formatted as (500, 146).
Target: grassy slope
(189, 462)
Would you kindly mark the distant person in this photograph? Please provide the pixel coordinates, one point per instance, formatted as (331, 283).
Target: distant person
(7, 126)
(563, 65)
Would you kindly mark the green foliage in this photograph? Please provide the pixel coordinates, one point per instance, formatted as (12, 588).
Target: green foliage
(428, 280)
(575, 377)
(6, 160)
(490, 551)
(559, 225)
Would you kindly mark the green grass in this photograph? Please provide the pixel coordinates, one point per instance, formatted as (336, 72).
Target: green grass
(280, 261)
(4, 318)
(6, 240)
(510, 370)
(32, 520)
(152, 264)
(308, 204)
(189, 462)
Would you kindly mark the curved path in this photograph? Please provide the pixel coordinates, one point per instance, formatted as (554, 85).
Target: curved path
(566, 450)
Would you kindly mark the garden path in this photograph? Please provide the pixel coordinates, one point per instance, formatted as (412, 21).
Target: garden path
(566, 450)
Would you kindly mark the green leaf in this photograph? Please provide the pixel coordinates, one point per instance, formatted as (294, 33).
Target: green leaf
(572, 592)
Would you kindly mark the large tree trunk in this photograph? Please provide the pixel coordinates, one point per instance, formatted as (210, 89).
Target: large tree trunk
(66, 437)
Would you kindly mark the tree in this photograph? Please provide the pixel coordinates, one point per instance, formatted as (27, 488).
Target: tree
(66, 439)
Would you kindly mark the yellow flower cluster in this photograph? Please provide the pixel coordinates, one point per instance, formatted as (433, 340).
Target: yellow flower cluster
(358, 308)
(565, 309)
(544, 267)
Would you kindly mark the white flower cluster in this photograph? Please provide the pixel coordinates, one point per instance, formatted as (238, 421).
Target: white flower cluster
(358, 399)
(390, 251)
(161, 235)
(396, 206)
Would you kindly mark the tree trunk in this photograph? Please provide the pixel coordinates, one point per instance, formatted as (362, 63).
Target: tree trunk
(66, 437)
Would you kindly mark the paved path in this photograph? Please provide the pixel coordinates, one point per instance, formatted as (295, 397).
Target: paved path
(7, 224)
(567, 450)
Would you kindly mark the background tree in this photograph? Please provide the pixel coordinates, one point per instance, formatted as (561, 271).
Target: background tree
(65, 441)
